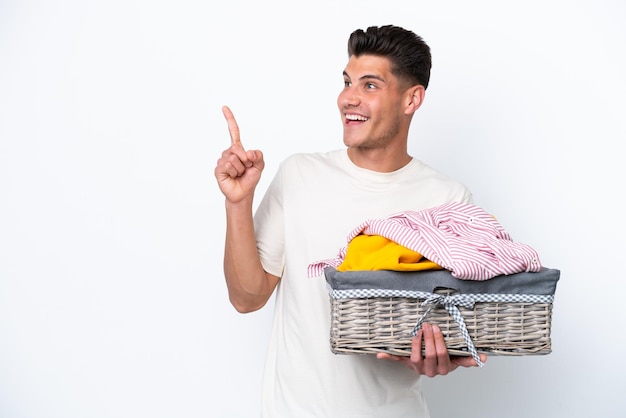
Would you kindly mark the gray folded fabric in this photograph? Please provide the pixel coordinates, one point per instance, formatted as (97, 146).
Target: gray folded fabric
(542, 282)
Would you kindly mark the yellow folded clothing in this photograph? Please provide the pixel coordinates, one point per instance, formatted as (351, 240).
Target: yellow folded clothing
(374, 252)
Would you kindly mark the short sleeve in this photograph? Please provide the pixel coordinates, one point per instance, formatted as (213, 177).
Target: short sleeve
(269, 228)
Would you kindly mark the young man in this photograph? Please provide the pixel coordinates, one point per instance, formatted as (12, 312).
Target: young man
(312, 204)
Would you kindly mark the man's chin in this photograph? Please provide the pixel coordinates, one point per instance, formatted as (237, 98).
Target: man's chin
(351, 141)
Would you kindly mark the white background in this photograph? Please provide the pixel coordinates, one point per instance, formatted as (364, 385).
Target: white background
(112, 299)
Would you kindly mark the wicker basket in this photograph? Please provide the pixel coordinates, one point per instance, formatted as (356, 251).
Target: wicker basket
(375, 312)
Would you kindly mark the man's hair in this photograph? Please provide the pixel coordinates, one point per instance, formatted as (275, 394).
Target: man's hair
(408, 53)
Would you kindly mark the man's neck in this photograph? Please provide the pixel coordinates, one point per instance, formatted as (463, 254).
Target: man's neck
(381, 160)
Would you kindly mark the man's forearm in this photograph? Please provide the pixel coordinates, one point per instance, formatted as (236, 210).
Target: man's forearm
(249, 287)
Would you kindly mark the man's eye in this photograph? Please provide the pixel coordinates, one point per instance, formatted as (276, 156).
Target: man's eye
(347, 83)
(370, 86)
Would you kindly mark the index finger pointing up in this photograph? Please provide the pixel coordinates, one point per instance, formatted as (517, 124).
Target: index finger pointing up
(233, 128)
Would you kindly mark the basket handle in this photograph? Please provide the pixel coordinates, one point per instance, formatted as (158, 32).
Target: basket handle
(451, 303)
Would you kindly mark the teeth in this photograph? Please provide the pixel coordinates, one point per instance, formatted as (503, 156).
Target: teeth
(356, 117)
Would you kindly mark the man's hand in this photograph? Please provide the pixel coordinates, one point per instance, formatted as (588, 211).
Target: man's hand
(238, 171)
(436, 360)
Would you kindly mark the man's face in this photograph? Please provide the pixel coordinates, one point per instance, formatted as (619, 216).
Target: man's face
(371, 103)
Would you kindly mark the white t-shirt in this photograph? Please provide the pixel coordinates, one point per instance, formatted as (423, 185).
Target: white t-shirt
(309, 209)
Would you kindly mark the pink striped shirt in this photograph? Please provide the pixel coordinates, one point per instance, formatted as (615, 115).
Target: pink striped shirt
(460, 237)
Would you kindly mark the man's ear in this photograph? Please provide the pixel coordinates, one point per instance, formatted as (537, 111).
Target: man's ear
(414, 98)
